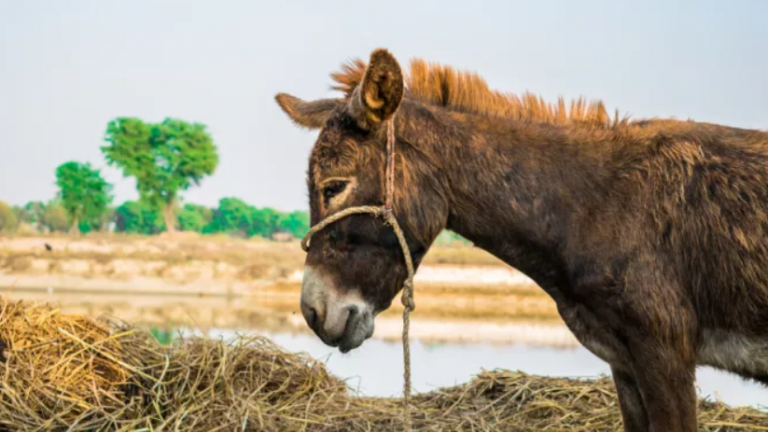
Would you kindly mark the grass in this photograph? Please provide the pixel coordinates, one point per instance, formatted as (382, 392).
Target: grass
(72, 373)
(162, 336)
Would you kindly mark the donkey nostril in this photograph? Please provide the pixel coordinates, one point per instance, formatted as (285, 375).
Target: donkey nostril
(353, 311)
(312, 317)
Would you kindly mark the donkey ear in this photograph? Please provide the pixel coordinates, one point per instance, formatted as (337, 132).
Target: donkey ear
(379, 94)
(311, 115)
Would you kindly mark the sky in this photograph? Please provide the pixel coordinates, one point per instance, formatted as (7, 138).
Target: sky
(69, 67)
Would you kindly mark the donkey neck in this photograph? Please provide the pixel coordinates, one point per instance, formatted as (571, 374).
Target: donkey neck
(515, 188)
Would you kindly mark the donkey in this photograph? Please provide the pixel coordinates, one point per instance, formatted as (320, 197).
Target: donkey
(650, 235)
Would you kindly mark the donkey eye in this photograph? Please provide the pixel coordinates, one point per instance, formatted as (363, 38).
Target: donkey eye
(332, 189)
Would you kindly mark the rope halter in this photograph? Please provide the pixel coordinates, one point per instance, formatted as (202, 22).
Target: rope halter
(387, 214)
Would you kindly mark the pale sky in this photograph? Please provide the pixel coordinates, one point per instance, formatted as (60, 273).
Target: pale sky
(68, 67)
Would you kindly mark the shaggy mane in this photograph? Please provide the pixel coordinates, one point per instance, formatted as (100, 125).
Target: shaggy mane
(467, 92)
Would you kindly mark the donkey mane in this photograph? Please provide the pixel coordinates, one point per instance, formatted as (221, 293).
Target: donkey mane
(467, 92)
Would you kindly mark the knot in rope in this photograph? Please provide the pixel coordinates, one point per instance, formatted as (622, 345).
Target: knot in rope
(407, 297)
(387, 214)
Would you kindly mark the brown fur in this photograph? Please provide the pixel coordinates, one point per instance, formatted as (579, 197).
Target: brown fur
(650, 235)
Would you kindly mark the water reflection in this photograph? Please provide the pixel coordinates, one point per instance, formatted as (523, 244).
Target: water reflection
(376, 368)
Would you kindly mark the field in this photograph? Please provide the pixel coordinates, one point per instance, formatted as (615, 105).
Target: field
(231, 283)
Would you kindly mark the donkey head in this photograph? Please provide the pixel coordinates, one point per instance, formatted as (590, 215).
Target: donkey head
(355, 267)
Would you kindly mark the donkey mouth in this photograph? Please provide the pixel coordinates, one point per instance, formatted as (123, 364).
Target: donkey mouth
(347, 344)
(359, 328)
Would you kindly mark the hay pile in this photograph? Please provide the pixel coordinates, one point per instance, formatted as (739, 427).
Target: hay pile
(63, 372)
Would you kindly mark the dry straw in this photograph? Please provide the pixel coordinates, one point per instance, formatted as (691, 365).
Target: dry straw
(73, 373)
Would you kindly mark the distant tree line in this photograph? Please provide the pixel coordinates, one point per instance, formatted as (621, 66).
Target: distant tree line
(232, 216)
(38, 215)
(165, 159)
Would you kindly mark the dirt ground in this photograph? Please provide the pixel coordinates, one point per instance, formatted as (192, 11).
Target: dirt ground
(462, 293)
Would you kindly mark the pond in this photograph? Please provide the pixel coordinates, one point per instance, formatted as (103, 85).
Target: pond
(376, 368)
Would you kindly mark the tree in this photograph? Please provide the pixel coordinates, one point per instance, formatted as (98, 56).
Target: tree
(84, 194)
(128, 217)
(296, 223)
(194, 217)
(233, 216)
(8, 220)
(22, 216)
(55, 218)
(33, 214)
(103, 223)
(165, 158)
(136, 217)
(265, 222)
(190, 220)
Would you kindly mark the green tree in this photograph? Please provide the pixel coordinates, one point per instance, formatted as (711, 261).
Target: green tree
(194, 217)
(265, 222)
(233, 216)
(8, 220)
(33, 214)
(236, 217)
(54, 217)
(296, 223)
(129, 217)
(165, 158)
(136, 217)
(21, 214)
(103, 223)
(84, 194)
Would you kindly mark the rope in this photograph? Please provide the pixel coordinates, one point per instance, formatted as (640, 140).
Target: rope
(408, 306)
(389, 195)
(372, 210)
(387, 213)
